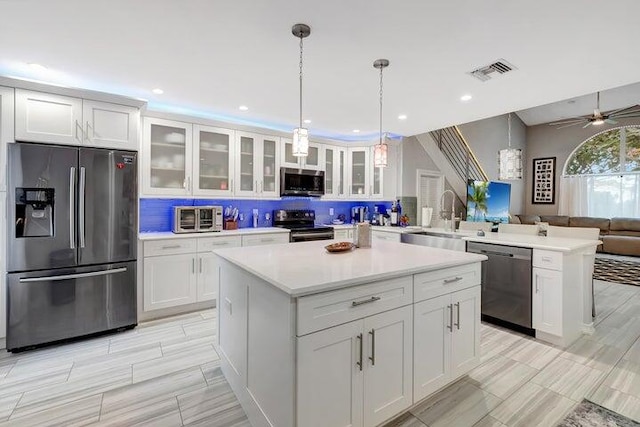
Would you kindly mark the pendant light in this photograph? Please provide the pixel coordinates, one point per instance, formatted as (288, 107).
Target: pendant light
(510, 160)
(381, 149)
(300, 134)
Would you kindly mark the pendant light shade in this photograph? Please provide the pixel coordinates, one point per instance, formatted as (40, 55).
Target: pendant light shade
(380, 151)
(300, 134)
(510, 160)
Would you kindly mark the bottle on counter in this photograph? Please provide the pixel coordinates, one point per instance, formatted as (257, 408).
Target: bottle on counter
(394, 214)
(399, 210)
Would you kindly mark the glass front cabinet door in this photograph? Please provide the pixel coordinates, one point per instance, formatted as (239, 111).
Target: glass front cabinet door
(167, 157)
(256, 165)
(359, 172)
(335, 174)
(213, 166)
(375, 188)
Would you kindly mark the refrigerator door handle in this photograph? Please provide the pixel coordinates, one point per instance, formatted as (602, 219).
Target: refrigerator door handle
(73, 276)
(81, 214)
(72, 208)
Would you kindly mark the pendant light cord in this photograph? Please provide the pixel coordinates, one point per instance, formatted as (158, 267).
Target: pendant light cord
(301, 81)
(381, 105)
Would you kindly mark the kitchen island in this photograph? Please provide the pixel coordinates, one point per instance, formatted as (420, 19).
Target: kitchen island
(311, 338)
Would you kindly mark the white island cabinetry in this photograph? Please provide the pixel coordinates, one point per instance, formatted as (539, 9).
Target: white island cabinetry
(305, 341)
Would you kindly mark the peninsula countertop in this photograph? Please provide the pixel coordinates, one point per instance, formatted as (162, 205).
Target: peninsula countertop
(306, 268)
(558, 244)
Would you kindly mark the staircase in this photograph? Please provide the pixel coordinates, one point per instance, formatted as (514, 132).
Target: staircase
(454, 147)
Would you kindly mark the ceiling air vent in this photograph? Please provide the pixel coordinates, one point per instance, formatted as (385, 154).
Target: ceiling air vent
(484, 73)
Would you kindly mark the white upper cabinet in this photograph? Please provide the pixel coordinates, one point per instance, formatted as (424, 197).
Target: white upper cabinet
(43, 117)
(314, 160)
(6, 130)
(335, 161)
(257, 160)
(375, 187)
(166, 157)
(359, 179)
(213, 165)
(57, 119)
(111, 125)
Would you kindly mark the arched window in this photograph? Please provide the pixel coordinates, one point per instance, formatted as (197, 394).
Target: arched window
(602, 176)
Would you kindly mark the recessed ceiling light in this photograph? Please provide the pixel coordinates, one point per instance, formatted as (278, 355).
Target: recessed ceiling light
(356, 131)
(158, 91)
(465, 98)
(243, 108)
(37, 67)
(402, 117)
(307, 121)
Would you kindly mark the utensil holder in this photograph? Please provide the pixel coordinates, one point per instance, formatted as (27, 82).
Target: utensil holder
(230, 225)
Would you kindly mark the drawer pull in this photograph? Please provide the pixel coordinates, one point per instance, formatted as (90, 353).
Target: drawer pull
(546, 258)
(171, 247)
(220, 244)
(367, 301)
(455, 279)
(267, 240)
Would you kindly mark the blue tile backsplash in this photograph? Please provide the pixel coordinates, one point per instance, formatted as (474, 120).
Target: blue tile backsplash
(156, 214)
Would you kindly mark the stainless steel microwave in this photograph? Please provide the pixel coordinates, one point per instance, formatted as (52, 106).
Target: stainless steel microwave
(301, 182)
(197, 219)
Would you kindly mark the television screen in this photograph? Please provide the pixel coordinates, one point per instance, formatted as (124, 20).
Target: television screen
(488, 201)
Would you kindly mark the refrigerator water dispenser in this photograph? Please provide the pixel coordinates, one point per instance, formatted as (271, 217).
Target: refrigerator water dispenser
(34, 212)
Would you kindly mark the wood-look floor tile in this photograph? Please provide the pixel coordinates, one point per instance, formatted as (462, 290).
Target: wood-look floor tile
(169, 322)
(633, 353)
(593, 354)
(194, 339)
(460, 404)
(495, 341)
(533, 405)
(51, 396)
(212, 372)
(208, 326)
(501, 376)
(489, 421)
(143, 339)
(209, 314)
(26, 380)
(131, 400)
(7, 404)
(617, 401)
(212, 405)
(176, 361)
(164, 413)
(615, 335)
(81, 412)
(405, 420)
(533, 353)
(61, 355)
(625, 377)
(568, 378)
(4, 369)
(97, 365)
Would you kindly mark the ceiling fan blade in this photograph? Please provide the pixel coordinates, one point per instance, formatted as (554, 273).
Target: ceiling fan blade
(621, 110)
(611, 122)
(567, 125)
(575, 120)
(627, 115)
(587, 125)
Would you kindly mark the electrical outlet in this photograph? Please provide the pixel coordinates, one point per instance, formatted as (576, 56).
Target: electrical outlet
(241, 217)
(267, 216)
(255, 211)
(330, 211)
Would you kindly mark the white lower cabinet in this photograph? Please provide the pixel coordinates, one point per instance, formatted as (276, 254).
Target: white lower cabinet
(362, 370)
(208, 277)
(385, 235)
(343, 233)
(446, 339)
(547, 301)
(169, 280)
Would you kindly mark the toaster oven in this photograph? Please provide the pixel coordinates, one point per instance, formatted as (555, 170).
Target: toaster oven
(197, 219)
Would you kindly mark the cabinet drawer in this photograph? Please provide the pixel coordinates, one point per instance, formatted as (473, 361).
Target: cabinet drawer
(385, 235)
(169, 246)
(328, 309)
(547, 259)
(265, 239)
(440, 282)
(207, 244)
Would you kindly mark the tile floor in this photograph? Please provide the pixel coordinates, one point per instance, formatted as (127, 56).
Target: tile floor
(166, 373)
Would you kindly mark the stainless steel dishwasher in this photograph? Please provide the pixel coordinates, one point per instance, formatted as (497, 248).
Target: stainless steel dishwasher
(506, 284)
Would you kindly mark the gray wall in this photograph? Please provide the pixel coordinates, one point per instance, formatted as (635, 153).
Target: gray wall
(548, 141)
(486, 138)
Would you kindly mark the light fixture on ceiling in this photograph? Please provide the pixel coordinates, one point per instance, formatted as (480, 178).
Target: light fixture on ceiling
(158, 91)
(380, 151)
(356, 131)
(402, 117)
(307, 121)
(300, 134)
(37, 67)
(598, 117)
(465, 98)
(510, 160)
(243, 108)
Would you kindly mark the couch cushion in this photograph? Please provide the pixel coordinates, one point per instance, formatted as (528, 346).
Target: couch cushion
(528, 219)
(625, 224)
(514, 219)
(621, 245)
(584, 221)
(559, 220)
(625, 233)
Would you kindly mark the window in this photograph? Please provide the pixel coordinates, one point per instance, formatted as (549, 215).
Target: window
(602, 176)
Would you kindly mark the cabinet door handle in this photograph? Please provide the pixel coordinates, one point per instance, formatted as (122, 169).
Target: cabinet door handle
(184, 183)
(455, 279)
(87, 133)
(193, 265)
(200, 265)
(372, 332)
(366, 301)
(457, 315)
(450, 324)
(371, 189)
(359, 363)
(231, 186)
(537, 286)
(78, 125)
(261, 186)
(255, 189)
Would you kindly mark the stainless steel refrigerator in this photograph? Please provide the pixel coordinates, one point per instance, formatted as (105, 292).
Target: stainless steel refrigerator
(71, 242)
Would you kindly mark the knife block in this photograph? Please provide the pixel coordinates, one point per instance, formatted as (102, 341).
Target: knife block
(230, 224)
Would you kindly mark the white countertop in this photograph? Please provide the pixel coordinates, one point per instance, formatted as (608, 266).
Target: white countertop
(306, 268)
(399, 230)
(238, 232)
(558, 244)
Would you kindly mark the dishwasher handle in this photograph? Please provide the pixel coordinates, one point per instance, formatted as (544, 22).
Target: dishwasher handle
(484, 251)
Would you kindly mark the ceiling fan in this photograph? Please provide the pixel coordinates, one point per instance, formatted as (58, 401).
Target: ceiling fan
(599, 118)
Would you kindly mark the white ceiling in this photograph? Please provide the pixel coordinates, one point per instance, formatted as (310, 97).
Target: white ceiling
(211, 56)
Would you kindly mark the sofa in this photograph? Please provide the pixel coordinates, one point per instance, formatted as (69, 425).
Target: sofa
(620, 236)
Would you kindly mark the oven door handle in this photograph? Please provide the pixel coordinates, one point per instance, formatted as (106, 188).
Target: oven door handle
(315, 235)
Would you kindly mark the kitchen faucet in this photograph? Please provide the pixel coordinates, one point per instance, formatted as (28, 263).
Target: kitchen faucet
(452, 212)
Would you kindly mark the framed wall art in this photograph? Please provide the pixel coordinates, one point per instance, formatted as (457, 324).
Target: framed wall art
(544, 181)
